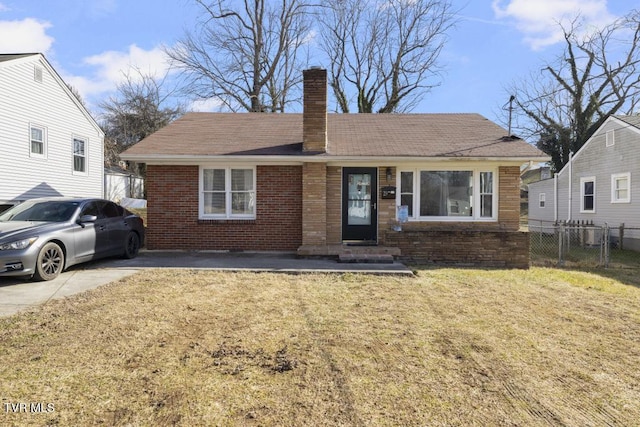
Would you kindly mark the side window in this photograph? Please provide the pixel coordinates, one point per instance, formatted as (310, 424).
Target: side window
(37, 141)
(79, 155)
(110, 210)
(588, 195)
(542, 198)
(91, 208)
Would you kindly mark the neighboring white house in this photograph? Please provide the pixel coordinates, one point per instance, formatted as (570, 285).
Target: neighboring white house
(120, 184)
(600, 184)
(49, 143)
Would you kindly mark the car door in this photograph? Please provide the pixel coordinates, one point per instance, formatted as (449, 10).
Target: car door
(117, 226)
(91, 238)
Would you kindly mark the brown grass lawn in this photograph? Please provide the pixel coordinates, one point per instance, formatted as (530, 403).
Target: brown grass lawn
(450, 347)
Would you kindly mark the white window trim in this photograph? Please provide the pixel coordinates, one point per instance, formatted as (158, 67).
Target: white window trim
(44, 141)
(227, 183)
(614, 178)
(86, 155)
(582, 182)
(610, 138)
(542, 200)
(476, 195)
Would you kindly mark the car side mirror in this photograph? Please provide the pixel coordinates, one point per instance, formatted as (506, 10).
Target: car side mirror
(87, 218)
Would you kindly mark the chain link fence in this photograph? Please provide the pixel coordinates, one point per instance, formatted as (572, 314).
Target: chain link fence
(574, 244)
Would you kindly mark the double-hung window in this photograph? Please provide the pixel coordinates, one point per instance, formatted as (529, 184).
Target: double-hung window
(620, 183)
(448, 195)
(227, 193)
(38, 141)
(588, 195)
(79, 156)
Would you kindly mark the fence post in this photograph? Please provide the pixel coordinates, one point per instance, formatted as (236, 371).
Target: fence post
(621, 236)
(607, 244)
(561, 238)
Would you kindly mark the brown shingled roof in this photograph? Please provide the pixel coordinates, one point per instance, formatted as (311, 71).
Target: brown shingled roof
(349, 135)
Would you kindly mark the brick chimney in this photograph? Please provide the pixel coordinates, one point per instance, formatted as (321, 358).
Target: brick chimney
(314, 116)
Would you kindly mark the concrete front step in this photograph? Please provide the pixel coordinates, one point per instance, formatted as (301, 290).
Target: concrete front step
(337, 250)
(366, 258)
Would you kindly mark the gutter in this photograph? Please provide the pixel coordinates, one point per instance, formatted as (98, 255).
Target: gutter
(160, 159)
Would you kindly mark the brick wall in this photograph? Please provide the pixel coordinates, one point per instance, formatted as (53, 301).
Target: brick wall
(314, 126)
(172, 214)
(334, 205)
(509, 190)
(314, 204)
(497, 248)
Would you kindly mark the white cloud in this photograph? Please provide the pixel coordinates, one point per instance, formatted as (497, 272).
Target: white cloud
(205, 105)
(538, 20)
(112, 67)
(25, 36)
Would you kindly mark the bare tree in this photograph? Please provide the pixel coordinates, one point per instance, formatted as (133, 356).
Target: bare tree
(596, 76)
(141, 106)
(246, 54)
(384, 53)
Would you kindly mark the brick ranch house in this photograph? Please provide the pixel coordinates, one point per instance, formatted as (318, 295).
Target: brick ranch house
(325, 184)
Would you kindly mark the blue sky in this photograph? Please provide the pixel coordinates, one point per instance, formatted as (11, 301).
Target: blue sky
(92, 43)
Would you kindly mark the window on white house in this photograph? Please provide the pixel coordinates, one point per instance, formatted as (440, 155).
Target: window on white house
(79, 155)
(38, 142)
(542, 198)
(227, 193)
(610, 138)
(448, 195)
(620, 188)
(588, 195)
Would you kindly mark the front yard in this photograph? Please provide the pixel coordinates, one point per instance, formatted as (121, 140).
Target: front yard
(450, 347)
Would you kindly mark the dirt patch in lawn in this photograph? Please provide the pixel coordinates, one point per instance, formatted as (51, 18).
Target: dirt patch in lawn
(450, 347)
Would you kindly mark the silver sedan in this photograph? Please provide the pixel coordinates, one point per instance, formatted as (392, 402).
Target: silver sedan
(42, 237)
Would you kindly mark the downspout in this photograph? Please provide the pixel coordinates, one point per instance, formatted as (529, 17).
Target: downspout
(570, 185)
(555, 198)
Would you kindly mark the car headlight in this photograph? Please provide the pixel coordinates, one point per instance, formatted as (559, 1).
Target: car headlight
(18, 244)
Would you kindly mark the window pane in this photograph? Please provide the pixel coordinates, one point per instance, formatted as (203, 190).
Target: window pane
(214, 203)
(78, 147)
(588, 203)
(241, 179)
(36, 134)
(242, 203)
(445, 193)
(407, 199)
(486, 205)
(588, 188)
(78, 164)
(213, 179)
(406, 182)
(486, 183)
(37, 147)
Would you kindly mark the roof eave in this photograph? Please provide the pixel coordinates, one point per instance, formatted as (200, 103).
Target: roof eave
(162, 159)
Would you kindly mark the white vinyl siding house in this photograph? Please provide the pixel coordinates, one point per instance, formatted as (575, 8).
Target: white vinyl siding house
(601, 183)
(49, 143)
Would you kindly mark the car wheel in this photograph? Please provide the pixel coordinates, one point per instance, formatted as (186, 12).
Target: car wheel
(131, 245)
(50, 262)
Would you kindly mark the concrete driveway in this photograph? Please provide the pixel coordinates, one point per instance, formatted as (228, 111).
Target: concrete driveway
(17, 294)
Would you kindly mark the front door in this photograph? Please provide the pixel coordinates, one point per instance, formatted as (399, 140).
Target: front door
(360, 205)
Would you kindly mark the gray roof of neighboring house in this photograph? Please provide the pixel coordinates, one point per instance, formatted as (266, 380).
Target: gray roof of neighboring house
(12, 56)
(348, 135)
(632, 120)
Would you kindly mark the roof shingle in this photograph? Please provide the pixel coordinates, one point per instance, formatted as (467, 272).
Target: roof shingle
(348, 135)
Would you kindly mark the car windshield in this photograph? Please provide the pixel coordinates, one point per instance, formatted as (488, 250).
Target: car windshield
(53, 211)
